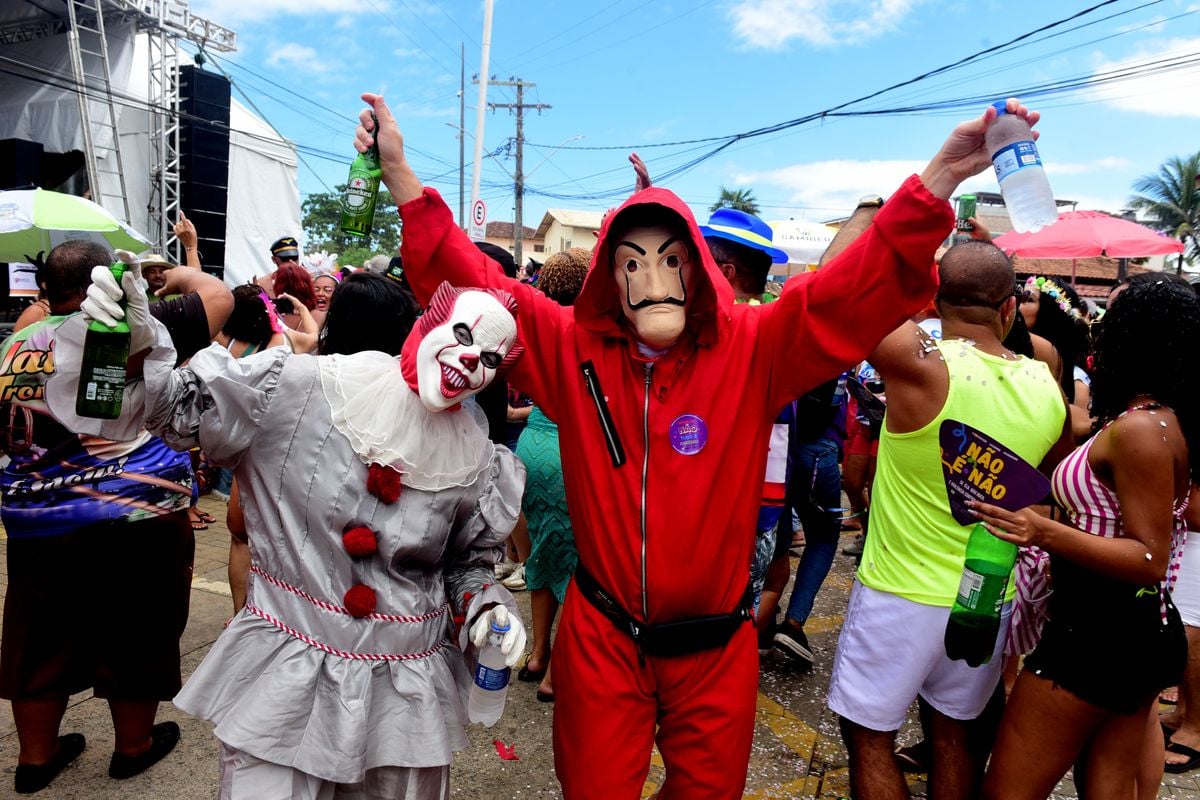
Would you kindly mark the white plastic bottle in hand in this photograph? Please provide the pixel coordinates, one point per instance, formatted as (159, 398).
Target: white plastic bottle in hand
(486, 701)
(1027, 193)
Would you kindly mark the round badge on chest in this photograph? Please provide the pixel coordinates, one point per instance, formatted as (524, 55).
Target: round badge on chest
(689, 434)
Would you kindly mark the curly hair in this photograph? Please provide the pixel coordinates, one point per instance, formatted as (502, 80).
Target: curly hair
(561, 277)
(249, 321)
(1146, 347)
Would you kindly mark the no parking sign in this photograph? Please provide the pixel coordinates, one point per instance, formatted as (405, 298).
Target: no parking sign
(478, 226)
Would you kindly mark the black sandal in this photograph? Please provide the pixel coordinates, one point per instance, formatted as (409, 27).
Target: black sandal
(527, 675)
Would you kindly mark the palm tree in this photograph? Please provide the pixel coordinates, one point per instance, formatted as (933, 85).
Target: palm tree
(739, 200)
(1171, 200)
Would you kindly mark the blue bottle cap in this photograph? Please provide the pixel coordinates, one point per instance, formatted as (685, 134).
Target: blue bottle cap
(497, 629)
(1001, 107)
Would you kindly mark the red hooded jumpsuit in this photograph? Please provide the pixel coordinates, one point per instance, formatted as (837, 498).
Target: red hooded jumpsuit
(669, 534)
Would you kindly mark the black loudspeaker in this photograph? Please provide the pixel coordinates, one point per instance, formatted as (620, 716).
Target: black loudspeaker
(204, 159)
(20, 163)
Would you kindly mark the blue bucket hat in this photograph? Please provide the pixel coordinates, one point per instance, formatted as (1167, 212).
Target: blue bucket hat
(744, 229)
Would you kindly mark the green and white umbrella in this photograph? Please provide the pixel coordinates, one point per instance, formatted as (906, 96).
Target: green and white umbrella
(36, 220)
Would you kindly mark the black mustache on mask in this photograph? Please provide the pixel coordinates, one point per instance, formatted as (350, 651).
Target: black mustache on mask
(668, 301)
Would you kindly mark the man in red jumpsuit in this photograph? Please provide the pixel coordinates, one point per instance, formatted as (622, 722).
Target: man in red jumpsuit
(665, 392)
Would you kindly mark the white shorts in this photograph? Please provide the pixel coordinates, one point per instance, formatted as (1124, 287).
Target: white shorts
(245, 777)
(891, 650)
(1186, 593)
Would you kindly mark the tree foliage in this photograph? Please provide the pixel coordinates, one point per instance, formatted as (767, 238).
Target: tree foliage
(322, 214)
(737, 199)
(1170, 200)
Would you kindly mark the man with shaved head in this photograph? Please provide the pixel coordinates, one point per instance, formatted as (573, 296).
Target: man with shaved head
(891, 648)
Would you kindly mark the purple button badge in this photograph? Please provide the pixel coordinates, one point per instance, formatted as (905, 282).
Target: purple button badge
(689, 434)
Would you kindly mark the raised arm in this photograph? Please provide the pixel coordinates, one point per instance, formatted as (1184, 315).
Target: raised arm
(824, 323)
(436, 250)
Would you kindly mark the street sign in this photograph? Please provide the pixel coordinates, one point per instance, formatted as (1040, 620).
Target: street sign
(478, 227)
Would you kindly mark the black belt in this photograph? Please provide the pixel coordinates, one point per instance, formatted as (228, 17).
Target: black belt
(677, 638)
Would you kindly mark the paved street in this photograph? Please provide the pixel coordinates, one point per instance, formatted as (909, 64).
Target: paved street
(797, 752)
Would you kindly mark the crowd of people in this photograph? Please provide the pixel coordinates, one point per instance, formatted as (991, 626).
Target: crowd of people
(650, 432)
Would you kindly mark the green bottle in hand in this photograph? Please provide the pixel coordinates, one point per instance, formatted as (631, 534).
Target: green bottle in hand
(975, 618)
(362, 190)
(102, 372)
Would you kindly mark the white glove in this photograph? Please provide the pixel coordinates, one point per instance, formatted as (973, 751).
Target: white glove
(104, 295)
(512, 646)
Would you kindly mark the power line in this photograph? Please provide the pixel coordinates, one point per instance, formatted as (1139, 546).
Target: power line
(730, 138)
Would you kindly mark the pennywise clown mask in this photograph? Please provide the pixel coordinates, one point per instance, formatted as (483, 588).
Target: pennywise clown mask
(652, 267)
(459, 345)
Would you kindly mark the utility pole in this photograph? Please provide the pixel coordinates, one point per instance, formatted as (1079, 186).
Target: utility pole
(519, 177)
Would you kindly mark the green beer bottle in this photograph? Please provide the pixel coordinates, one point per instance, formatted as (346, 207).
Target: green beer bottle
(362, 189)
(975, 618)
(102, 371)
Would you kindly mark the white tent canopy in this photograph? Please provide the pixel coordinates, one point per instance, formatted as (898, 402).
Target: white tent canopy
(804, 242)
(263, 200)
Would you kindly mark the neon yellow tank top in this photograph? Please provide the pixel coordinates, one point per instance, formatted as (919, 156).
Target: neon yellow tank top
(915, 549)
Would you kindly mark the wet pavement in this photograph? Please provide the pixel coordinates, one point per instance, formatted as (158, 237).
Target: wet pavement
(797, 752)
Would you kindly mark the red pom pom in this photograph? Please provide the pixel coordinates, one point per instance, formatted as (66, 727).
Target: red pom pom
(383, 482)
(360, 600)
(360, 542)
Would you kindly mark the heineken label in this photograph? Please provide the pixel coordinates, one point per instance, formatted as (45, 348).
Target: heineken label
(359, 192)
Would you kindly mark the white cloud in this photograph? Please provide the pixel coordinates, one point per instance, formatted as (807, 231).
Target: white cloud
(1099, 165)
(1163, 94)
(832, 188)
(770, 24)
(296, 56)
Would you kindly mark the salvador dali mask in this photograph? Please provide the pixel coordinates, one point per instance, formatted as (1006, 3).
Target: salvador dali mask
(652, 269)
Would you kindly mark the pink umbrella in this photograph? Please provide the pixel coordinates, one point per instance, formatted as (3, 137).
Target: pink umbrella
(1082, 234)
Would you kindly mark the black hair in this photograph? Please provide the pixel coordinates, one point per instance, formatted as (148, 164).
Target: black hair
(249, 321)
(752, 265)
(1018, 339)
(68, 269)
(1068, 334)
(500, 256)
(1146, 347)
(1141, 278)
(367, 312)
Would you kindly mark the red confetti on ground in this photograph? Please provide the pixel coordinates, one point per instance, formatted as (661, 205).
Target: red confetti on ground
(383, 482)
(506, 751)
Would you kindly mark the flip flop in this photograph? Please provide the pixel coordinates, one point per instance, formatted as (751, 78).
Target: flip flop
(1193, 758)
(527, 675)
(206, 517)
(545, 697)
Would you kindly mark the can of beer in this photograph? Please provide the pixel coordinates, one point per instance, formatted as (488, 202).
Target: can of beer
(966, 210)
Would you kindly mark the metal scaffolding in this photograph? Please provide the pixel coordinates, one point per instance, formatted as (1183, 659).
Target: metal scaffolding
(165, 23)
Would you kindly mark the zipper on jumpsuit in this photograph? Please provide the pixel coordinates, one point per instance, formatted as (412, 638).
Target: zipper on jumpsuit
(645, 477)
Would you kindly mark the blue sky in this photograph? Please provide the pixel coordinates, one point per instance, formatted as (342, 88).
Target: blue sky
(648, 72)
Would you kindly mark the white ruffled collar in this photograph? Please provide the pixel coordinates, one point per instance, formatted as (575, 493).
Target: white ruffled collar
(385, 422)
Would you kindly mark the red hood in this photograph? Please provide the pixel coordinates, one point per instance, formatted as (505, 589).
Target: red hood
(598, 307)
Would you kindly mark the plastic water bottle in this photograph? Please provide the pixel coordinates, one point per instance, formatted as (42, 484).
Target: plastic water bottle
(1019, 171)
(975, 618)
(102, 371)
(486, 702)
